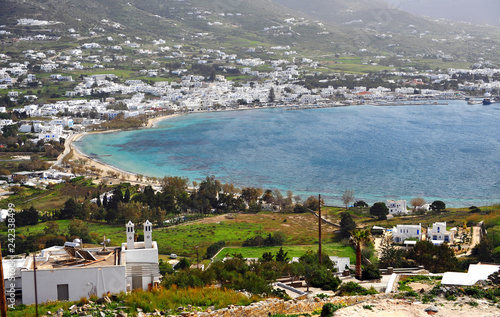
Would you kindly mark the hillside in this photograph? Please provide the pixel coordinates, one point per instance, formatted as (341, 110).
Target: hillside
(479, 11)
(313, 29)
(372, 14)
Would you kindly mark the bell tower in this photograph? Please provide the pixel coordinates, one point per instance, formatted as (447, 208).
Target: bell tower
(130, 235)
(148, 235)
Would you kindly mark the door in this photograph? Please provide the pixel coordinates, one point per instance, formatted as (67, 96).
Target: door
(62, 292)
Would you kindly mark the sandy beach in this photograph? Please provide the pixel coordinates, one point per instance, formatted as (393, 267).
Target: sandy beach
(107, 169)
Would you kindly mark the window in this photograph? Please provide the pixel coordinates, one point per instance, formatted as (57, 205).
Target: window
(439, 229)
(418, 232)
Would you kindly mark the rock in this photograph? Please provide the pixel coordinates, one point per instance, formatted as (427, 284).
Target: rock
(431, 310)
(189, 307)
(180, 308)
(122, 314)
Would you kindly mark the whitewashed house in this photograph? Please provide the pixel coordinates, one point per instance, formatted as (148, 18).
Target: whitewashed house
(438, 233)
(70, 272)
(396, 207)
(403, 233)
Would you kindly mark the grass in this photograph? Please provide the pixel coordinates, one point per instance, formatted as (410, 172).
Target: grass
(332, 249)
(299, 229)
(161, 299)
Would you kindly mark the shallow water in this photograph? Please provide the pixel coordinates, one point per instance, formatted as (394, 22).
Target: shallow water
(448, 152)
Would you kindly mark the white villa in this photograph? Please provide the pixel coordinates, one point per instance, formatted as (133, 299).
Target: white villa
(71, 272)
(396, 207)
(438, 233)
(402, 233)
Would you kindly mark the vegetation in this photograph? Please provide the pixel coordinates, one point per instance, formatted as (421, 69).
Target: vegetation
(379, 210)
(161, 299)
(358, 238)
(353, 288)
(347, 225)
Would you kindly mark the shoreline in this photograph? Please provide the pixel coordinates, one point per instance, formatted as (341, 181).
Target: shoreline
(123, 175)
(153, 122)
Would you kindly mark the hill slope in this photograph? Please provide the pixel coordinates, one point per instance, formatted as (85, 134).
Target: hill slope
(321, 27)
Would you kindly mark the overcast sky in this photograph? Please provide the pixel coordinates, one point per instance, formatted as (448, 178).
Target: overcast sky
(476, 11)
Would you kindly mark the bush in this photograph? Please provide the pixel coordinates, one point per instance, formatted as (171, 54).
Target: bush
(370, 272)
(214, 248)
(353, 288)
(329, 309)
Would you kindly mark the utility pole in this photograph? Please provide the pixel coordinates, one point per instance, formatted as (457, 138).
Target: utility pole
(3, 299)
(34, 276)
(319, 229)
(197, 258)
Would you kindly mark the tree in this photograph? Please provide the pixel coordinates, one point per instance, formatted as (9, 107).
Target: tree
(51, 228)
(268, 196)
(438, 206)
(390, 256)
(313, 203)
(267, 257)
(417, 202)
(79, 229)
(379, 210)
(251, 194)
(484, 250)
(358, 238)
(126, 198)
(347, 224)
(347, 197)
(360, 204)
(436, 259)
(271, 94)
(281, 256)
(70, 210)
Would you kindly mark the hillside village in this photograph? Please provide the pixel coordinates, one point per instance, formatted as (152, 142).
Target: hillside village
(59, 81)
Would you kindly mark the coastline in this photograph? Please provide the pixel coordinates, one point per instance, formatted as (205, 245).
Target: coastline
(97, 161)
(107, 169)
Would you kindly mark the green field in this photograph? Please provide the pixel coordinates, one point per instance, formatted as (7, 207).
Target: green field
(332, 249)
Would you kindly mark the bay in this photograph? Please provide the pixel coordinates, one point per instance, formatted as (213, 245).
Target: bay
(446, 152)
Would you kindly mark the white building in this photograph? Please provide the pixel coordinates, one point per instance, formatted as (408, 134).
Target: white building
(438, 233)
(401, 233)
(141, 258)
(476, 272)
(396, 207)
(70, 272)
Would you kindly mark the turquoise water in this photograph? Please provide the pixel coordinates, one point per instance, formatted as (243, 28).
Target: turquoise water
(448, 152)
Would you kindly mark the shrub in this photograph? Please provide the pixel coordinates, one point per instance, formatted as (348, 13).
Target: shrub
(370, 272)
(214, 248)
(353, 288)
(329, 309)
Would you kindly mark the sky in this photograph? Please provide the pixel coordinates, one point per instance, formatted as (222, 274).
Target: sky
(476, 11)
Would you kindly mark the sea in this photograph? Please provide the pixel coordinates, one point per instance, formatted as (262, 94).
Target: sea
(445, 152)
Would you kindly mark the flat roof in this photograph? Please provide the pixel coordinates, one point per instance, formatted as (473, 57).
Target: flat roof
(60, 259)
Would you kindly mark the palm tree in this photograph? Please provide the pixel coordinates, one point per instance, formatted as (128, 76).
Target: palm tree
(358, 237)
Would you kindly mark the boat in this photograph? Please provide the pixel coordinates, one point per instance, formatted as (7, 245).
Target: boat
(486, 101)
(474, 102)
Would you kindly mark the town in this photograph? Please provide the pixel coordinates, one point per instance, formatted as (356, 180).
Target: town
(93, 240)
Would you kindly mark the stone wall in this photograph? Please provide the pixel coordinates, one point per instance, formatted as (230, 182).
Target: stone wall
(276, 306)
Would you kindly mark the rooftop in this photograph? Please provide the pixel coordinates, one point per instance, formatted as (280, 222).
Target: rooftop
(67, 257)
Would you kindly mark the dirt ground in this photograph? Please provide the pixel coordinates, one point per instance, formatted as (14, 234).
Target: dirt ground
(405, 308)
